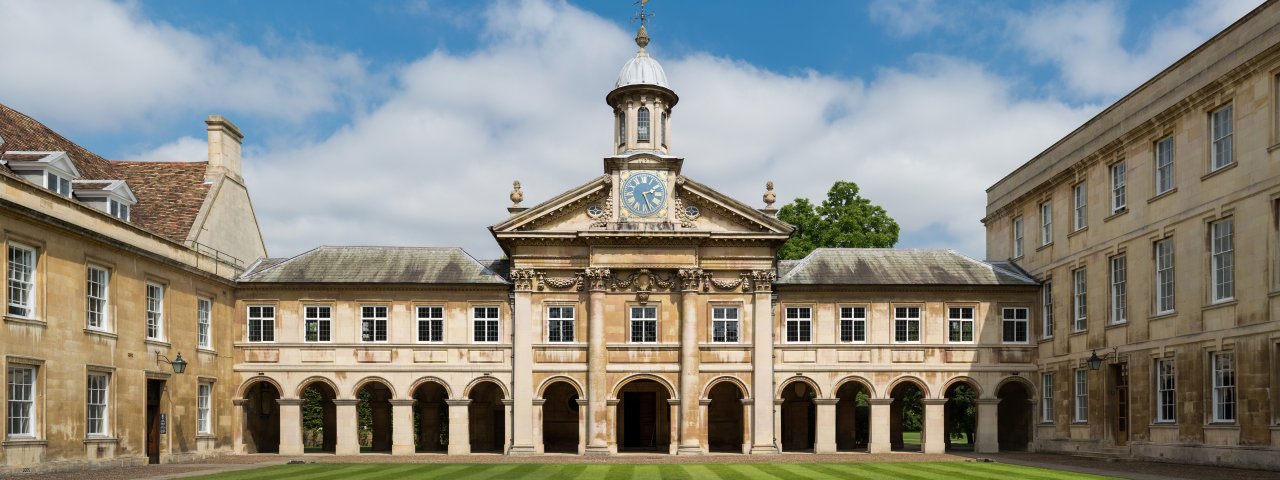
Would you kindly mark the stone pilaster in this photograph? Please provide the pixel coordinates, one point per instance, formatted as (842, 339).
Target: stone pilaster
(238, 424)
(934, 440)
(825, 425)
(348, 427)
(402, 427)
(763, 439)
(521, 416)
(597, 358)
(880, 425)
(459, 426)
(290, 426)
(690, 418)
(988, 440)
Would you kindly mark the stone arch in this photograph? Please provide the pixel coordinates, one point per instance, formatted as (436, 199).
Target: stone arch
(853, 421)
(367, 380)
(1027, 384)
(671, 391)
(306, 383)
(919, 383)
(1015, 413)
(959, 413)
(866, 384)
(542, 389)
(706, 391)
(424, 380)
(261, 414)
(962, 379)
(244, 387)
(326, 437)
(724, 422)
(466, 392)
(782, 387)
(906, 414)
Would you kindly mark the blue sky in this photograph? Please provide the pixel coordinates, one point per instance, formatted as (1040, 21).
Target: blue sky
(405, 122)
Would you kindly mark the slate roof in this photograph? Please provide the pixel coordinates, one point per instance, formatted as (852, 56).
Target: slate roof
(170, 194)
(892, 266)
(439, 265)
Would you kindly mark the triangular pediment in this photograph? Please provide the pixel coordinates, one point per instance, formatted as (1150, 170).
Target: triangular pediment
(720, 212)
(564, 212)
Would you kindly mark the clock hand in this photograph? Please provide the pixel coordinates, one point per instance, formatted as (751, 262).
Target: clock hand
(647, 203)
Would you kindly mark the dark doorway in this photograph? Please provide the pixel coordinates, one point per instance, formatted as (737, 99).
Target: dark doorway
(155, 392)
(432, 417)
(319, 418)
(488, 418)
(644, 417)
(375, 429)
(262, 418)
(560, 418)
(1120, 385)
(960, 416)
(853, 417)
(724, 418)
(906, 417)
(798, 416)
(1014, 416)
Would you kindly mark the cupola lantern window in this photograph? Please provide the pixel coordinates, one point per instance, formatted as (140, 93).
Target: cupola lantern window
(622, 128)
(642, 125)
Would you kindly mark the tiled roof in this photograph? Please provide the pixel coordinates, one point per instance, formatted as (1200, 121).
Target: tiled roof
(891, 266)
(427, 265)
(170, 194)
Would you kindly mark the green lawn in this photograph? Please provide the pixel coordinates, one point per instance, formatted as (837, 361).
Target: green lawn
(559, 471)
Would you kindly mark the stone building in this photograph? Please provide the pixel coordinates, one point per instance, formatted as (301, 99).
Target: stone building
(115, 270)
(1154, 229)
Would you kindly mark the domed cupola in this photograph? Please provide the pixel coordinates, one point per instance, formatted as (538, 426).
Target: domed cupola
(642, 101)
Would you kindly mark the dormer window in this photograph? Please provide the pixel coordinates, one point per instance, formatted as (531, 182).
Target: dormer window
(642, 125)
(56, 184)
(111, 196)
(119, 209)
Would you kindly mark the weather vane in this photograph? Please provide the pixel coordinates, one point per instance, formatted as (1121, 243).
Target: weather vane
(642, 17)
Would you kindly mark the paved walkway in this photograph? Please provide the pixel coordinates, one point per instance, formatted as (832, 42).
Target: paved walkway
(1123, 469)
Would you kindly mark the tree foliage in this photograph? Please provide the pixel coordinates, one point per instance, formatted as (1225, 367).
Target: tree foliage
(964, 411)
(844, 220)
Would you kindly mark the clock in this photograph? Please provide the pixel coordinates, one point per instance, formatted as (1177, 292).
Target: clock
(644, 194)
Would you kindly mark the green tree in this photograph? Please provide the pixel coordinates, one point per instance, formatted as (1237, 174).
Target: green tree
(844, 219)
(964, 412)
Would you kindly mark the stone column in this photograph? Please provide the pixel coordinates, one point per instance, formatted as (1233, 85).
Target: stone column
(777, 423)
(763, 439)
(348, 427)
(880, 425)
(290, 426)
(538, 433)
(825, 425)
(934, 438)
(402, 427)
(508, 406)
(459, 426)
(597, 357)
(988, 426)
(520, 418)
(690, 420)
(582, 426)
(748, 405)
(238, 426)
(673, 425)
(611, 429)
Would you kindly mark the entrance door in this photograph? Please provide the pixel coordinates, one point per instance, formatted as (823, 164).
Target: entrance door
(1121, 430)
(642, 419)
(155, 388)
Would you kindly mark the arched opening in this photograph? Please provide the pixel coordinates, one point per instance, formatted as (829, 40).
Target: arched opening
(906, 417)
(373, 415)
(642, 125)
(724, 418)
(262, 418)
(431, 416)
(560, 418)
(798, 416)
(644, 417)
(319, 418)
(1014, 416)
(853, 417)
(488, 418)
(960, 417)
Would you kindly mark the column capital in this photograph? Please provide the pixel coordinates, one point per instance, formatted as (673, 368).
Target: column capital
(706, 402)
(345, 402)
(457, 402)
(403, 402)
(538, 402)
(239, 402)
(880, 401)
(826, 401)
(597, 278)
(762, 280)
(673, 401)
(986, 401)
(612, 402)
(778, 401)
(690, 280)
(523, 279)
(508, 402)
(933, 401)
(582, 402)
(748, 401)
(291, 402)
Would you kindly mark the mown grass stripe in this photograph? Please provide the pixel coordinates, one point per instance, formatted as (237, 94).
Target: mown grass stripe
(396, 472)
(268, 472)
(841, 471)
(893, 470)
(727, 472)
(620, 472)
(1032, 472)
(341, 471)
(951, 471)
(647, 472)
(593, 472)
(697, 472)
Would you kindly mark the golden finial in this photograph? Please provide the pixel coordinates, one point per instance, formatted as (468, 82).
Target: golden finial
(769, 196)
(516, 195)
(642, 35)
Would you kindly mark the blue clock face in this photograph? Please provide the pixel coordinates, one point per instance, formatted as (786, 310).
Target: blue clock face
(644, 194)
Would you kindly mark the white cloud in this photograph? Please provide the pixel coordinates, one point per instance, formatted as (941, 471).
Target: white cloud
(99, 65)
(1084, 40)
(185, 149)
(907, 17)
(434, 163)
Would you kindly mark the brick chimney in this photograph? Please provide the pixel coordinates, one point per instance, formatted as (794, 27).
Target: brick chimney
(224, 148)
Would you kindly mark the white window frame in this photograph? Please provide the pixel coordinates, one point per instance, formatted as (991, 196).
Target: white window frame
(204, 408)
(97, 293)
(956, 317)
(558, 323)
(1119, 187)
(1080, 206)
(57, 184)
(204, 323)
(1046, 223)
(644, 133)
(647, 324)
(490, 321)
(1046, 309)
(1017, 237)
(1118, 273)
(155, 311)
(118, 209)
(726, 324)
(320, 315)
(1164, 180)
(371, 318)
(799, 320)
(903, 321)
(1009, 316)
(429, 320)
(1081, 410)
(1222, 260)
(1046, 397)
(1079, 299)
(1164, 270)
(97, 404)
(1224, 397)
(1221, 136)
(20, 401)
(265, 321)
(853, 320)
(21, 280)
(1166, 391)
